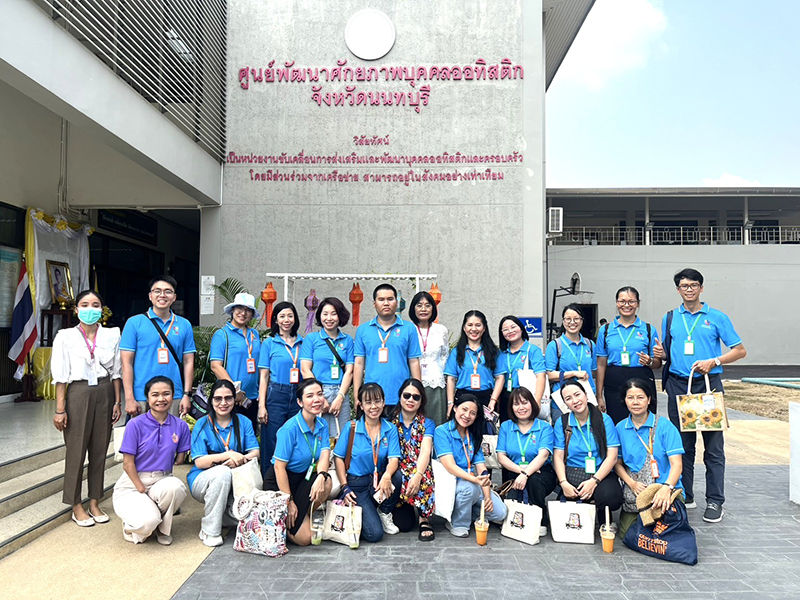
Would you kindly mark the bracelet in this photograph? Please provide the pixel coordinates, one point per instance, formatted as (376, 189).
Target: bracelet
(325, 475)
(118, 404)
(63, 412)
(523, 472)
(596, 480)
(562, 481)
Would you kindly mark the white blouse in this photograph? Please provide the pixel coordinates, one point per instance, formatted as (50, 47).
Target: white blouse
(72, 361)
(435, 347)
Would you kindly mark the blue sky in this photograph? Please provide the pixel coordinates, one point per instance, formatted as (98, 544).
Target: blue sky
(678, 93)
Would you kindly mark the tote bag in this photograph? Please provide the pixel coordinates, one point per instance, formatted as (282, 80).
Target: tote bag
(444, 483)
(246, 478)
(262, 523)
(119, 433)
(522, 522)
(342, 523)
(704, 411)
(572, 522)
(527, 379)
(489, 447)
(670, 538)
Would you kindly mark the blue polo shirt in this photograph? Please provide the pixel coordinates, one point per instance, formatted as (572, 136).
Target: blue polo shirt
(238, 354)
(527, 357)
(278, 357)
(463, 373)
(205, 441)
(429, 425)
(667, 442)
(141, 337)
(403, 345)
(578, 450)
(511, 441)
(580, 356)
(447, 440)
(296, 442)
(633, 338)
(712, 328)
(316, 350)
(361, 460)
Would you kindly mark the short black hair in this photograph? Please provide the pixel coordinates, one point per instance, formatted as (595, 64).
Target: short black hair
(417, 384)
(418, 297)
(628, 288)
(522, 393)
(305, 384)
(574, 307)
(166, 279)
(372, 391)
(159, 379)
(273, 326)
(338, 306)
(384, 286)
(85, 293)
(503, 342)
(690, 274)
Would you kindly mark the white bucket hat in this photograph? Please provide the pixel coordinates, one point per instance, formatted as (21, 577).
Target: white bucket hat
(243, 299)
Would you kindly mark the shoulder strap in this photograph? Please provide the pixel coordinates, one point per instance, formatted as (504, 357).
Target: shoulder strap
(335, 353)
(666, 343)
(558, 353)
(653, 431)
(349, 455)
(567, 434)
(225, 359)
(605, 336)
(171, 351)
(649, 336)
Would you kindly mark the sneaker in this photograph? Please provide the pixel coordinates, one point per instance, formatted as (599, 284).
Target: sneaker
(542, 531)
(127, 536)
(460, 532)
(163, 539)
(713, 513)
(691, 504)
(388, 523)
(210, 540)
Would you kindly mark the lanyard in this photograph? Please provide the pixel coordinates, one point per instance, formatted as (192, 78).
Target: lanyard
(524, 449)
(86, 339)
(423, 339)
(227, 442)
(626, 340)
(579, 357)
(585, 438)
(689, 331)
(475, 363)
(375, 444)
(248, 340)
(516, 358)
(649, 448)
(316, 440)
(166, 333)
(293, 356)
(467, 454)
(383, 339)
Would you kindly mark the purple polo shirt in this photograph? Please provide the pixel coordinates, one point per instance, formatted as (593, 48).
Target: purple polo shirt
(153, 445)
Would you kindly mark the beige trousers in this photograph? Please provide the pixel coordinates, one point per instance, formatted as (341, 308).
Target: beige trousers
(142, 513)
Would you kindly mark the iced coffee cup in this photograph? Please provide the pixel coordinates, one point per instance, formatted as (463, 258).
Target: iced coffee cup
(481, 532)
(607, 535)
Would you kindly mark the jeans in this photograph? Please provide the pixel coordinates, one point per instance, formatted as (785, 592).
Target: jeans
(330, 391)
(467, 506)
(281, 406)
(371, 526)
(213, 487)
(714, 441)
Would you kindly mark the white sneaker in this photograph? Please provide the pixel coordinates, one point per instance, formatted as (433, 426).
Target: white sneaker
(388, 523)
(210, 540)
(691, 504)
(542, 531)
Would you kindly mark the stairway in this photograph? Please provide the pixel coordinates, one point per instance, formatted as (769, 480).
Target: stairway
(30, 495)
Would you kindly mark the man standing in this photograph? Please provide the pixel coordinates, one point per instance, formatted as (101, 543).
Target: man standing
(692, 336)
(386, 349)
(157, 343)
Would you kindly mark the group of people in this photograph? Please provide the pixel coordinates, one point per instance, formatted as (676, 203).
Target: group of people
(415, 401)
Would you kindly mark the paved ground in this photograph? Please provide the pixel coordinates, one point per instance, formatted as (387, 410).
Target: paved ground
(753, 554)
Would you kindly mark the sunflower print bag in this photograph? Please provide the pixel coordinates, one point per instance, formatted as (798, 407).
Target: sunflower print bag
(704, 411)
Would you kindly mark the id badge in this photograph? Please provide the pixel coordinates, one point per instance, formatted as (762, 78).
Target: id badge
(383, 355)
(163, 356)
(475, 381)
(688, 348)
(251, 365)
(310, 471)
(334, 371)
(509, 383)
(375, 480)
(91, 378)
(424, 368)
(654, 468)
(523, 463)
(294, 375)
(708, 402)
(591, 465)
(625, 359)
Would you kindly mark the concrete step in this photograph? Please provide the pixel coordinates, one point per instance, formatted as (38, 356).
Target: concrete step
(20, 466)
(28, 523)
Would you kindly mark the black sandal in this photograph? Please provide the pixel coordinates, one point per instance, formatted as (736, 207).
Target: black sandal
(425, 526)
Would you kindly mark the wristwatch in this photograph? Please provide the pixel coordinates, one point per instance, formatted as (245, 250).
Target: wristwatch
(187, 394)
(717, 361)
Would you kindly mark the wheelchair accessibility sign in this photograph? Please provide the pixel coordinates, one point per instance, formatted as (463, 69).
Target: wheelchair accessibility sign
(533, 325)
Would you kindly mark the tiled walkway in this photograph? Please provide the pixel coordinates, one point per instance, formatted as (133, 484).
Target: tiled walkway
(754, 553)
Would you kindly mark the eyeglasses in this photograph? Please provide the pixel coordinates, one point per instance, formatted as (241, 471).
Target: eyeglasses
(575, 320)
(167, 293)
(414, 397)
(689, 286)
(369, 402)
(424, 305)
(222, 399)
(506, 330)
(627, 302)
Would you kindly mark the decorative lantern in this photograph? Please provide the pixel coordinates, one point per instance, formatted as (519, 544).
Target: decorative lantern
(268, 297)
(311, 304)
(401, 303)
(437, 297)
(356, 297)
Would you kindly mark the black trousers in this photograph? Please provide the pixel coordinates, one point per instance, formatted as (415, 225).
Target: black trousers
(540, 485)
(607, 493)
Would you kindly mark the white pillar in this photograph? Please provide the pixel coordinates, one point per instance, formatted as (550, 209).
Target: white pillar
(646, 220)
(745, 219)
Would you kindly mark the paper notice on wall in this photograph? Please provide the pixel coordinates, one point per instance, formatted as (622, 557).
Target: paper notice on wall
(10, 259)
(207, 284)
(206, 304)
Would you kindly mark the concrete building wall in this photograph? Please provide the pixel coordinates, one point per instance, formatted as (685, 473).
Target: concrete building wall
(484, 238)
(756, 286)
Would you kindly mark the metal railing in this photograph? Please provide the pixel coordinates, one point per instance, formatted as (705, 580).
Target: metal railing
(680, 236)
(172, 52)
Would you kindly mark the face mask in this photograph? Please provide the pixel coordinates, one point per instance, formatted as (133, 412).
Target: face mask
(89, 315)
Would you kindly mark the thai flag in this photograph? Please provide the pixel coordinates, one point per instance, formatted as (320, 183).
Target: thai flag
(23, 321)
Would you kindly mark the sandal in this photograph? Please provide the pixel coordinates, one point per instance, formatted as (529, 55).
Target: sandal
(424, 527)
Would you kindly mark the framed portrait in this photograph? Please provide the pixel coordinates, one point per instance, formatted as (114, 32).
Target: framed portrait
(58, 277)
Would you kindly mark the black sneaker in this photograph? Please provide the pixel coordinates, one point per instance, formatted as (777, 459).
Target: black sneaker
(713, 513)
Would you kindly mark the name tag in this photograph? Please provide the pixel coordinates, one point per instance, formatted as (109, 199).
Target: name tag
(294, 375)
(310, 471)
(688, 348)
(251, 365)
(92, 376)
(334, 371)
(383, 355)
(590, 465)
(475, 381)
(625, 359)
(654, 468)
(163, 356)
(424, 368)
(509, 382)
(523, 463)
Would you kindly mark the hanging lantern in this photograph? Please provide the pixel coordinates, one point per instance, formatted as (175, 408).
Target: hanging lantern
(311, 304)
(437, 297)
(401, 303)
(268, 297)
(356, 297)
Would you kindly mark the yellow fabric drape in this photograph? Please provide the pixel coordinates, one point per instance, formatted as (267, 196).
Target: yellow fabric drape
(45, 388)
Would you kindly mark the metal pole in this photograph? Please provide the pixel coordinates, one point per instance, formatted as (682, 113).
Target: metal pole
(285, 288)
(745, 219)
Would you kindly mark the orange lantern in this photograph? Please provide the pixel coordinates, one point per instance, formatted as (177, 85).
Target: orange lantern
(268, 297)
(356, 297)
(437, 297)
